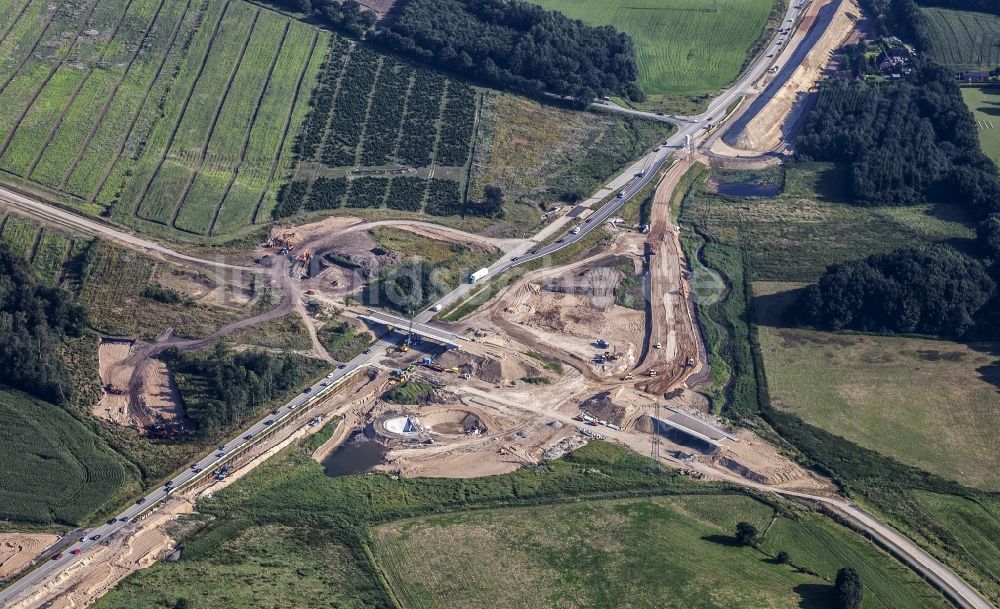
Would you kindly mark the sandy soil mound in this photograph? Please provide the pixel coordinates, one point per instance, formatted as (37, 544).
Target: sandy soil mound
(607, 406)
(766, 131)
(757, 460)
(17, 550)
(156, 391)
(499, 370)
(573, 322)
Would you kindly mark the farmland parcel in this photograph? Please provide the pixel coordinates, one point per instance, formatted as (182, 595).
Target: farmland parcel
(964, 40)
(685, 48)
(177, 117)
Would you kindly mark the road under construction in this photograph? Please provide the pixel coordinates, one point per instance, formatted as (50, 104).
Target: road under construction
(502, 365)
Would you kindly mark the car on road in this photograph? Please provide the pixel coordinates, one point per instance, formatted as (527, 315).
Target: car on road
(436, 308)
(560, 241)
(659, 114)
(112, 521)
(219, 455)
(140, 501)
(248, 436)
(275, 411)
(57, 556)
(269, 422)
(341, 366)
(515, 258)
(367, 351)
(95, 537)
(307, 390)
(329, 376)
(576, 231)
(75, 551)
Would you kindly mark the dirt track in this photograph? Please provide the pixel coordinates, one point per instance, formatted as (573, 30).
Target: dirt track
(770, 126)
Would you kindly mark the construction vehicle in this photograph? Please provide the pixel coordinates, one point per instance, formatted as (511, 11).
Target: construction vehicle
(652, 372)
(628, 377)
(404, 347)
(602, 344)
(453, 369)
(114, 389)
(689, 363)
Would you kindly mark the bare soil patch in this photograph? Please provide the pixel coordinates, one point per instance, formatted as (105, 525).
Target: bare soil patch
(148, 399)
(18, 550)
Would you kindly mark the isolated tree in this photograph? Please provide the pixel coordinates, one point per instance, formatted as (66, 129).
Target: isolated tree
(848, 589)
(783, 557)
(746, 534)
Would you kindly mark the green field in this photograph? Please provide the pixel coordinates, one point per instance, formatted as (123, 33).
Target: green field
(683, 47)
(930, 403)
(972, 527)
(178, 116)
(964, 40)
(588, 555)
(558, 536)
(813, 223)
(985, 105)
(55, 468)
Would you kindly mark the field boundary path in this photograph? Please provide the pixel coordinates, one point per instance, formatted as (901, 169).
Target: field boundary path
(59, 217)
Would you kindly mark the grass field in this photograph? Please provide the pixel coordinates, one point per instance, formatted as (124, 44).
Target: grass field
(683, 47)
(55, 468)
(929, 403)
(177, 115)
(964, 40)
(331, 539)
(985, 105)
(587, 555)
(974, 526)
(812, 224)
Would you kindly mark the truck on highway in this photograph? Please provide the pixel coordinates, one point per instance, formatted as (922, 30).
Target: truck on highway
(476, 276)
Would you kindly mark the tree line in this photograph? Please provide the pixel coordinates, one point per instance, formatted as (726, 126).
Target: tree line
(347, 15)
(516, 45)
(908, 142)
(222, 388)
(34, 321)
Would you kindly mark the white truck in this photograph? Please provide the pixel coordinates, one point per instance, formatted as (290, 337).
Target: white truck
(476, 276)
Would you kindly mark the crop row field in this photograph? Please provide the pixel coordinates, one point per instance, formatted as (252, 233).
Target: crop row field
(683, 47)
(181, 114)
(964, 40)
(45, 249)
(55, 468)
(433, 196)
(372, 112)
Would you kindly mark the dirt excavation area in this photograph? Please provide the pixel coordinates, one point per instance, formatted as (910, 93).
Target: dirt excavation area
(769, 128)
(142, 401)
(18, 550)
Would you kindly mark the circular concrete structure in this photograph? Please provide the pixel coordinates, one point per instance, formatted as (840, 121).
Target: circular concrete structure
(402, 426)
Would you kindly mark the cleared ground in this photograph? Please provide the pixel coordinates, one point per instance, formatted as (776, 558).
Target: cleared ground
(683, 47)
(964, 40)
(985, 105)
(586, 555)
(929, 403)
